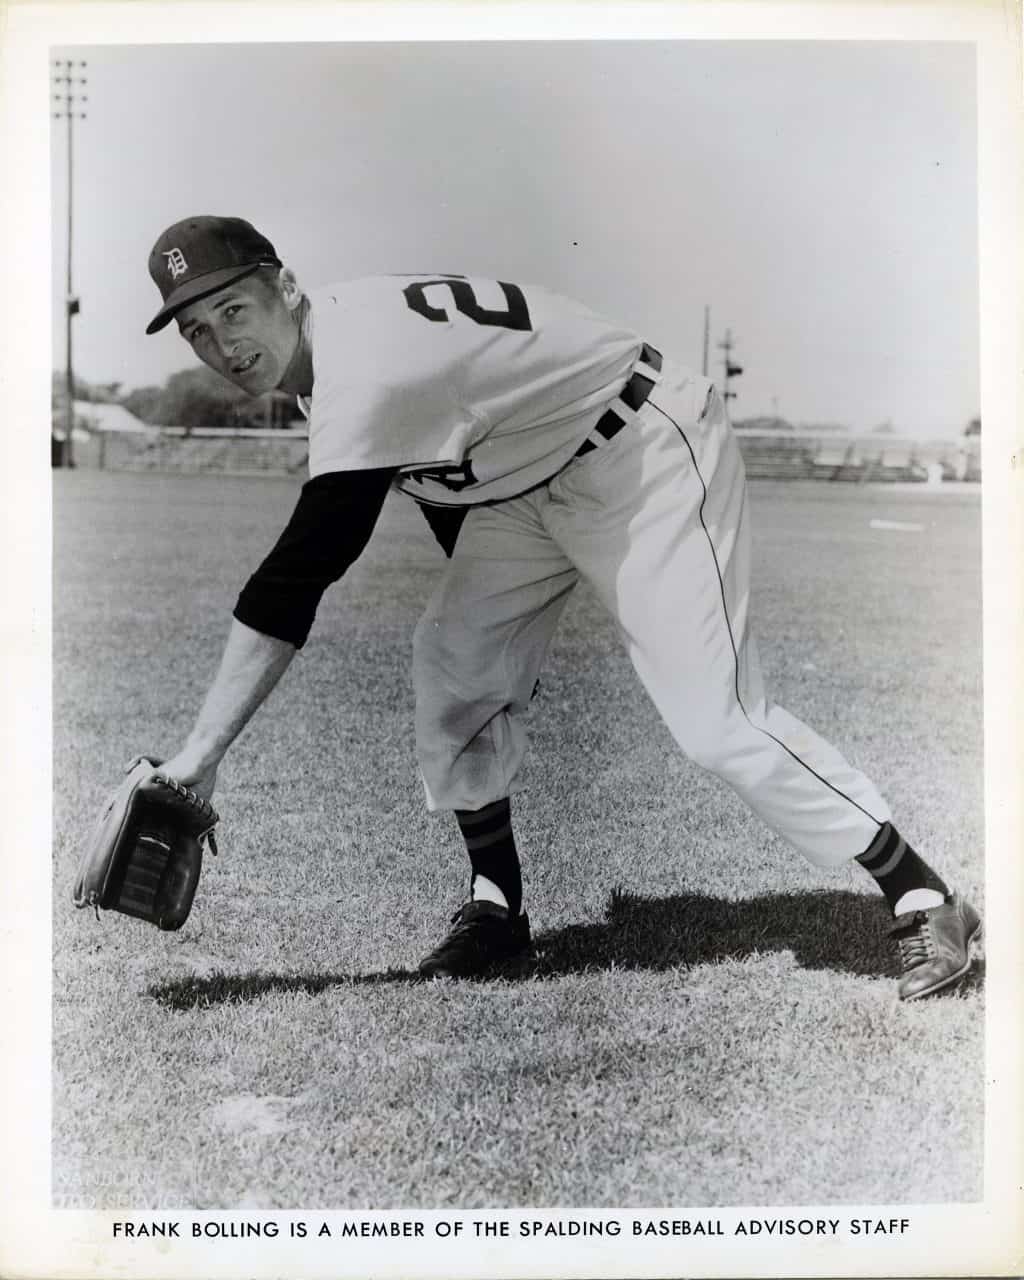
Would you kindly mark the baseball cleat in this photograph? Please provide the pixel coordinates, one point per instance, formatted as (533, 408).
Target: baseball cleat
(935, 946)
(482, 938)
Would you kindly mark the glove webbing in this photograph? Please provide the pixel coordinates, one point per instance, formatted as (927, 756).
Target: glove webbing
(203, 807)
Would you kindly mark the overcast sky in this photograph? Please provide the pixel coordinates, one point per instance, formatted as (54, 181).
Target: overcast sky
(820, 197)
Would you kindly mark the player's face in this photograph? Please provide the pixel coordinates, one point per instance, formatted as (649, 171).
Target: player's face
(247, 332)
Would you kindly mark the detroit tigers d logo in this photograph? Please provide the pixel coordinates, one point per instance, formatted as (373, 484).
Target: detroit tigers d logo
(176, 263)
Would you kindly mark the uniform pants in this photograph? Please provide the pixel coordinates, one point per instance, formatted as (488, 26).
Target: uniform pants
(656, 521)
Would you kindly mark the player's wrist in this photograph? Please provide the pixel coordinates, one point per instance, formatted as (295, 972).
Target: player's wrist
(202, 752)
(193, 771)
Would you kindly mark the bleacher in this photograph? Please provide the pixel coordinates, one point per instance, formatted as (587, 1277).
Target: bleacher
(875, 458)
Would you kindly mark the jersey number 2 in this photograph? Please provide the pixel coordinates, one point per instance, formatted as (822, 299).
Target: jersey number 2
(517, 316)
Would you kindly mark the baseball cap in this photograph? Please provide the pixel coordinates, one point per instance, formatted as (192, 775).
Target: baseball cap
(200, 255)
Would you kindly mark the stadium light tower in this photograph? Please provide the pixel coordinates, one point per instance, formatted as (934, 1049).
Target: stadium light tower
(731, 370)
(68, 83)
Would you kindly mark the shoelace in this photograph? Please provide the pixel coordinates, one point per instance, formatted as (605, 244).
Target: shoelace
(461, 929)
(914, 941)
(461, 925)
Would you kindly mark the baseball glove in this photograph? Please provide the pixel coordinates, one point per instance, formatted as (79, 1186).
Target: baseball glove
(146, 852)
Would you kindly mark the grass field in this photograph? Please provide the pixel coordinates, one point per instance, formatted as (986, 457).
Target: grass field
(709, 1021)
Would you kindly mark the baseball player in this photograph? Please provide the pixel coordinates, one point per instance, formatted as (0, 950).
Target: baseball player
(543, 444)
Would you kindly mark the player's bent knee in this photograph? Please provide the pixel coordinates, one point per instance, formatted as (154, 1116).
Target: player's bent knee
(433, 660)
(723, 747)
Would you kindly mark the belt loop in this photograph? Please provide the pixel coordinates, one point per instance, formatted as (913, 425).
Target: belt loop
(631, 398)
(650, 358)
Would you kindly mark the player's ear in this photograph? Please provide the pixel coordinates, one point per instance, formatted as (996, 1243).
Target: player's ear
(289, 286)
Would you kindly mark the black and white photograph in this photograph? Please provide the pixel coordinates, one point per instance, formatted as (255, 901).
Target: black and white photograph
(517, 635)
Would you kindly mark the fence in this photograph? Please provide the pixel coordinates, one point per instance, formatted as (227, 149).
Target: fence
(773, 455)
(230, 451)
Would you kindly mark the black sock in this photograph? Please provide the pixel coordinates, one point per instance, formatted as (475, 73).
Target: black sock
(897, 868)
(492, 849)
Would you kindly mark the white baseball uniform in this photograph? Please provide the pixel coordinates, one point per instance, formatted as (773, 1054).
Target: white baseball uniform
(481, 395)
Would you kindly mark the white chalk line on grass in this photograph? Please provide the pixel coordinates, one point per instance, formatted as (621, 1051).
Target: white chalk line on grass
(265, 1114)
(897, 526)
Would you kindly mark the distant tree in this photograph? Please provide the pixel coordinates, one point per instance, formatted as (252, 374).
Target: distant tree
(91, 392)
(190, 398)
(200, 398)
(270, 412)
(144, 402)
(973, 427)
(884, 428)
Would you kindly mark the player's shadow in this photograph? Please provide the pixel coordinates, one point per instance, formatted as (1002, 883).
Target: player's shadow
(239, 988)
(837, 930)
(833, 929)
(827, 930)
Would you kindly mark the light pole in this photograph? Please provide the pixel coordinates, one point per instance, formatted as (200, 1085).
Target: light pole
(731, 370)
(66, 98)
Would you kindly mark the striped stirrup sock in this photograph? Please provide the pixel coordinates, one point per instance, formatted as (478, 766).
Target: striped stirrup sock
(492, 849)
(897, 869)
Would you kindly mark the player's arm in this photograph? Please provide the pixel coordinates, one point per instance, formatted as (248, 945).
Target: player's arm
(328, 530)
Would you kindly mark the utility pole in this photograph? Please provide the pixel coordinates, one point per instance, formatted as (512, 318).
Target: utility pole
(707, 332)
(68, 85)
(731, 370)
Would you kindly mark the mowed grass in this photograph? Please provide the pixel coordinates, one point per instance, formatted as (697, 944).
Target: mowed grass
(710, 1019)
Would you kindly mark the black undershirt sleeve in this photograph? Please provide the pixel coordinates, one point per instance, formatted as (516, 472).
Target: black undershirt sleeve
(328, 529)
